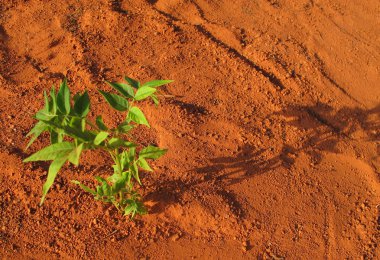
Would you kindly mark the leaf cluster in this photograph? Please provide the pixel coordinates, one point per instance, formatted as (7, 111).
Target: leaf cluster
(71, 132)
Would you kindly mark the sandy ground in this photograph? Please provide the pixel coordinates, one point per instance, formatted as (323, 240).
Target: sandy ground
(273, 133)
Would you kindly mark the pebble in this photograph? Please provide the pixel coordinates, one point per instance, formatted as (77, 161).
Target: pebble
(175, 237)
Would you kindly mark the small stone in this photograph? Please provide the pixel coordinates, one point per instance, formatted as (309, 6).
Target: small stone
(175, 237)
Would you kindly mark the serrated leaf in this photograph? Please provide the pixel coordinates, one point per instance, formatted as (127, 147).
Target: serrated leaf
(152, 152)
(75, 154)
(84, 187)
(123, 88)
(157, 83)
(100, 137)
(144, 92)
(144, 164)
(100, 123)
(137, 116)
(54, 168)
(36, 131)
(51, 152)
(63, 98)
(134, 83)
(82, 105)
(114, 143)
(116, 101)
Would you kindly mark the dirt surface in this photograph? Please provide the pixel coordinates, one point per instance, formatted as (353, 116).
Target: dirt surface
(273, 133)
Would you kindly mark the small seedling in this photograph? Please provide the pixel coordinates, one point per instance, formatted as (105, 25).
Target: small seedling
(72, 132)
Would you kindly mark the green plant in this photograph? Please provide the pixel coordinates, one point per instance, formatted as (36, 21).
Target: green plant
(72, 132)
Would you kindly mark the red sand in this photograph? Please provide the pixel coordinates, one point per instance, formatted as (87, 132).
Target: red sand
(273, 133)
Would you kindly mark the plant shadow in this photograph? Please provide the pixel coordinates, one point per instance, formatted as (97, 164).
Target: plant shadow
(324, 129)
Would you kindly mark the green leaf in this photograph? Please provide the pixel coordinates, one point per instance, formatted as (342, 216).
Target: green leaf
(157, 83)
(75, 154)
(82, 105)
(83, 136)
(119, 181)
(144, 164)
(105, 188)
(114, 143)
(135, 172)
(100, 123)
(63, 98)
(116, 101)
(51, 152)
(54, 168)
(100, 137)
(84, 187)
(152, 152)
(46, 99)
(55, 137)
(76, 97)
(36, 131)
(123, 88)
(44, 115)
(144, 92)
(155, 99)
(53, 101)
(134, 83)
(125, 127)
(137, 116)
(130, 209)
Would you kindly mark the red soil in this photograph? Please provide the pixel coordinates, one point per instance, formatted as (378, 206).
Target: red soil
(273, 134)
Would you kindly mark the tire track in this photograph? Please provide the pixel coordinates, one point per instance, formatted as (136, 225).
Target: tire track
(235, 53)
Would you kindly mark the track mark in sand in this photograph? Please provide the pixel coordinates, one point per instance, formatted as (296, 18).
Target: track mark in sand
(202, 29)
(272, 78)
(333, 82)
(343, 30)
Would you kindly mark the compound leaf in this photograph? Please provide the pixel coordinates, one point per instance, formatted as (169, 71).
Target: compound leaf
(82, 105)
(36, 131)
(44, 115)
(75, 154)
(135, 172)
(100, 123)
(125, 127)
(157, 83)
(54, 168)
(114, 143)
(123, 88)
(116, 101)
(144, 164)
(137, 116)
(51, 152)
(100, 137)
(134, 83)
(84, 187)
(144, 92)
(63, 98)
(152, 152)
